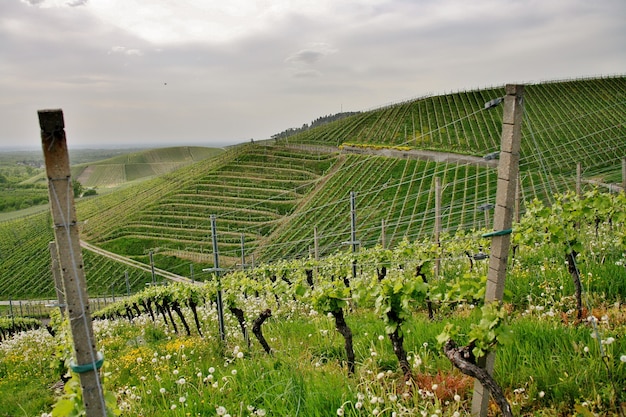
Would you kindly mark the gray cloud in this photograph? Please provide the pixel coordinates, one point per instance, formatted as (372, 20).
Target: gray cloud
(76, 3)
(116, 84)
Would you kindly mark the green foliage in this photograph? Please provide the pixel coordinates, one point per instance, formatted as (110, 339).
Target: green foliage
(330, 296)
(77, 187)
(396, 298)
(70, 404)
(492, 330)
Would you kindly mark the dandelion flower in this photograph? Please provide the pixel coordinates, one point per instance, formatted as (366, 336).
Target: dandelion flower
(182, 400)
(234, 372)
(220, 410)
(173, 407)
(162, 390)
(211, 370)
(260, 412)
(622, 358)
(457, 398)
(239, 355)
(541, 394)
(340, 412)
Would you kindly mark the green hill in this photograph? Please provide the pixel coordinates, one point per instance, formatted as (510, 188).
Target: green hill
(118, 170)
(94, 169)
(274, 194)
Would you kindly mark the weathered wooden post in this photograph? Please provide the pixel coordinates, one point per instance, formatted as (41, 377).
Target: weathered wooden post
(508, 169)
(56, 276)
(61, 196)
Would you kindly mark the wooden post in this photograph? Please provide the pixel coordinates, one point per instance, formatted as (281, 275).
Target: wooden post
(152, 268)
(437, 222)
(56, 275)
(127, 283)
(243, 252)
(508, 169)
(316, 244)
(383, 233)
(61, 195)
(624, 175)
(579, 179)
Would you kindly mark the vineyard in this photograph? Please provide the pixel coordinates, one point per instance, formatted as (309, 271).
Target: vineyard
(358, 331)
(308, 337)
(273, 195)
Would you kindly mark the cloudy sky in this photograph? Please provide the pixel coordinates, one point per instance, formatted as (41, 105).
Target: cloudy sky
(214, 72)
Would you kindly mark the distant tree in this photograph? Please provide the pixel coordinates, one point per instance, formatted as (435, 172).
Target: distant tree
(90, 192)
(78, 188)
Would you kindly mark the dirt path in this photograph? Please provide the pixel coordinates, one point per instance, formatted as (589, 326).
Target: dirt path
(418, 154)
(135, 264)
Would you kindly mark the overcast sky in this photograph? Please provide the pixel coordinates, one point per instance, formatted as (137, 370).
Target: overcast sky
(213, 72)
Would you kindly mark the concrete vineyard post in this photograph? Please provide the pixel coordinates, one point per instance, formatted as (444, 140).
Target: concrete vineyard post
(508, 169)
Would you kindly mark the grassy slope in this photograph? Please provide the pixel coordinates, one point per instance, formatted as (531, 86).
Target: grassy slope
(275, 196)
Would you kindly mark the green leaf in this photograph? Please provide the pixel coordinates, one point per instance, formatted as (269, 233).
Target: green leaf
(390, 328)
(64, 408)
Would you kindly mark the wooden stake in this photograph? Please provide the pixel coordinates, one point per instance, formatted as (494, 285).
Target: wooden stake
(56, 275)
(316, 246)
(624, 175)
(579, 179)
(70, 257)
(383, 234)
(508, 169)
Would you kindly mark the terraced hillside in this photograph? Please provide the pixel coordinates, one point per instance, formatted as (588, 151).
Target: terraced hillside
(25, 263)
(250, 191)
(564, 123)
(274, 194)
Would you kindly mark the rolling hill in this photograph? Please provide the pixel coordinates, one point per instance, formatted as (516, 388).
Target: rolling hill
(268, 197)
